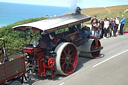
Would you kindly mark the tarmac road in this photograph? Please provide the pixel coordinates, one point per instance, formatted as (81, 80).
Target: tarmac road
(111, 69)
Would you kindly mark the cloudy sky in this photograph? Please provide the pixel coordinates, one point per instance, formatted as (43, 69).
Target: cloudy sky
(68, 3)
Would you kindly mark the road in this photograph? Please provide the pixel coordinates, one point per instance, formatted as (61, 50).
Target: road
(111, 69)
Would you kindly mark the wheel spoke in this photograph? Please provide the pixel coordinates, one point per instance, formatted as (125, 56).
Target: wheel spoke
(67, 67)
(72, 59)
(65, 52)
(71, 55)
(63, 65)
(71, 63)
(69, 51)
(63, 55)
(63, 58)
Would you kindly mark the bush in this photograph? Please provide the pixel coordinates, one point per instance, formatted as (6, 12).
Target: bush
(13, 39)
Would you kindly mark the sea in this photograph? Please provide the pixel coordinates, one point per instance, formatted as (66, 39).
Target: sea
(12, 12)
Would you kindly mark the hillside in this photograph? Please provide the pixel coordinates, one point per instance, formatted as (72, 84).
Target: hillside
(103, 12)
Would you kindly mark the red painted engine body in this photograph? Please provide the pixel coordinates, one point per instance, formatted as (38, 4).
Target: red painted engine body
(43, 65)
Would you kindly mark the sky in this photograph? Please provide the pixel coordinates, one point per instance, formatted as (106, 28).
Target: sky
(72, 3)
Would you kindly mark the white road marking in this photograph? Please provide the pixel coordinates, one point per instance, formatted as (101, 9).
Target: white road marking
(110, 58)
(61, 83)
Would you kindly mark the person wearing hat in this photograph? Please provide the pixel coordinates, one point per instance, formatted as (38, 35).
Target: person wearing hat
(46, 16)
(78, 10)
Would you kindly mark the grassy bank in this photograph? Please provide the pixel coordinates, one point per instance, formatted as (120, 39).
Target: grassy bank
(15, 39)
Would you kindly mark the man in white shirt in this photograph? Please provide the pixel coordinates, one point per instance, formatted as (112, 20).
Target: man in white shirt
(117, 23)
(106, 27)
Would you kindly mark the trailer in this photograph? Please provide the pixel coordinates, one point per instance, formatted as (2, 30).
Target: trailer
(12, 67)
(12, 71)
(71, 37)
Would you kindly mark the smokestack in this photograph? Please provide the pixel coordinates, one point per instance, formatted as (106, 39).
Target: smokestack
(73, 5)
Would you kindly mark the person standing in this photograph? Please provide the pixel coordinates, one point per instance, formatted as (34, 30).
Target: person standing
(106, 26)
(94, 23)
(114, 27)
(98, 30)
(122, 24)
(108, 29)
(94, 19)
(101, 28)
(117, 23)
(46, 16)
(111, 25)
(54, 15)
(95, 26)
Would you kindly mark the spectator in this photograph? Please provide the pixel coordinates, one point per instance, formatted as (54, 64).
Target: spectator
(98, 30)
(106, 25)
(101, 28)
(95, 26)
(114, 27)
(111, 27)
(108, 29)
(117, 23)
(94, 19)
(54, 15)
(46, 16)
(108, 18)
(122, 24)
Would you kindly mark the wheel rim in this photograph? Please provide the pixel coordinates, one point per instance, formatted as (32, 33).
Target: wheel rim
(66, 59)
(69, 58)
(93, 46)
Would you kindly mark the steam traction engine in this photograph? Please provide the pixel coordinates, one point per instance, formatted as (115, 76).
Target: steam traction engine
(70, 36)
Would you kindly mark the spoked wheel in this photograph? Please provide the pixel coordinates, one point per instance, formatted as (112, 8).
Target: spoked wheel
(66, 59)
(93, 46)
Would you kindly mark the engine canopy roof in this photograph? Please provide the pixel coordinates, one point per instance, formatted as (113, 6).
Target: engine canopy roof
(53, 24)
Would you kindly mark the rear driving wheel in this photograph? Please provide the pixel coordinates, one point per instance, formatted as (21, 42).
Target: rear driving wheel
(66, 59)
